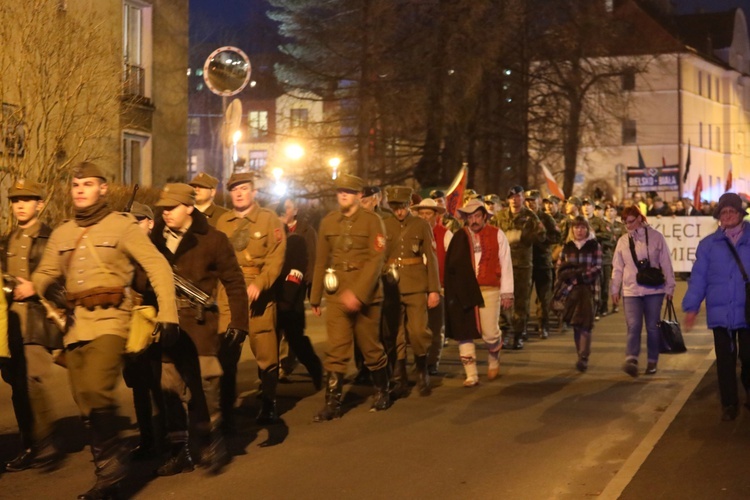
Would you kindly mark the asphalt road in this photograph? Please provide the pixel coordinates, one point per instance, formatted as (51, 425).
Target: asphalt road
(541, 430)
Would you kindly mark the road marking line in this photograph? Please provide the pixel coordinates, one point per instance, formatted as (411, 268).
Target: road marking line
(620, 481)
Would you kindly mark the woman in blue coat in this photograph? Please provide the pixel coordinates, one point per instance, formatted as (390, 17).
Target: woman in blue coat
(717, 278)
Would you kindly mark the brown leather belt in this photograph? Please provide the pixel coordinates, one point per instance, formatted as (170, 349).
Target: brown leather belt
(405, 262)
(101, 296)
(348, 266)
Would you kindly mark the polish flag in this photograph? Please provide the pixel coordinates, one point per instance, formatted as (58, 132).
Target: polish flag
(552, 185)
(455, 193)
(697, 193)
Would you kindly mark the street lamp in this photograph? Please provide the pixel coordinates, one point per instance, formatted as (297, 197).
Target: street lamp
(334, 164)
(294, 151)
(235, 139)
(279, 188)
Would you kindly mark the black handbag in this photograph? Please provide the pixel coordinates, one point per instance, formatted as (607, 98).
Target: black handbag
(671, 333)
(646, 275)
(744, 277)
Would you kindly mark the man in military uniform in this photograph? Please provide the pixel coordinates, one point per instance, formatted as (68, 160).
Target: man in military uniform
(201, 256)
(572, 210)
(447, 220)
(606, 238)
(205, 192)
(287, 211)
(352, 243)
(94, 252)
(32, 336)
(523, 229)
(259, 242)
(142, 373)
(552, 207)
(371, 200)
(411, 265)
(429, 211)
(491, 203)
(542, 265)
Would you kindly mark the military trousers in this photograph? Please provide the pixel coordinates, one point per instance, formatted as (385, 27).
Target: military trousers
(346, 328)
(436, 322)
(517, 318)
(263, 339)
(186, 378)
(94, 368)
(543, 284)
(412, 325)
(142, 374)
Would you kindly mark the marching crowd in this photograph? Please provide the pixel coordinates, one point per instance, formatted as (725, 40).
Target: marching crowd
(398, 273)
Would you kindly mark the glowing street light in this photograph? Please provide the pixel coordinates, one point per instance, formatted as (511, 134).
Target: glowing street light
(294, 151)
(334, 164)
(279, 188)
(235, 139)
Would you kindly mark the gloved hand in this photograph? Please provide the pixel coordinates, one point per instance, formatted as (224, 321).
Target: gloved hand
(234, 337)
(169, 333)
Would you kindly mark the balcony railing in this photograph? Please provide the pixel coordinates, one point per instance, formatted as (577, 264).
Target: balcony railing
(134, 83)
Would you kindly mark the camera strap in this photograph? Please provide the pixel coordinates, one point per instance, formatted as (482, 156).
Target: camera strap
(632, 249)
(737, 258)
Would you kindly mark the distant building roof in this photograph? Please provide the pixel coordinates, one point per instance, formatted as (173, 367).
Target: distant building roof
(707, 32)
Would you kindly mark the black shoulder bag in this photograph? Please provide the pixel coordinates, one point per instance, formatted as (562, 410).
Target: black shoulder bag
(646, 275)
(744, 277)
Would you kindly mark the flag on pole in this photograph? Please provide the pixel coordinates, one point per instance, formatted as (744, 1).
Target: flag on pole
(641, 163)
(697, 193)
(552, 185)
(728, 186)
(687, 166)
(455, 193)
(663, 161)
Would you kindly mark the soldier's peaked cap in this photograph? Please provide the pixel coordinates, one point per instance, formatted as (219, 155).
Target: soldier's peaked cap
(141, 211)
(203, 180)
(514, 191)
(399, 194)
(240, 178)
(30, 189)
(176, 194)
(87, 169)
(350, 183)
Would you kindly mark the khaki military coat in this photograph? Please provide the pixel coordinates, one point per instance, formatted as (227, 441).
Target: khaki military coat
(103, 255)
(412, 239)
(355, 248)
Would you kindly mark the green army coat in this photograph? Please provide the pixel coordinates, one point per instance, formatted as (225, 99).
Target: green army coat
(410, 239)
(523, 230)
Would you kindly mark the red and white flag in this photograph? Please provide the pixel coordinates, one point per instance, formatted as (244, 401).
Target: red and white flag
(697, 193)
(552, 185)
(455, 193)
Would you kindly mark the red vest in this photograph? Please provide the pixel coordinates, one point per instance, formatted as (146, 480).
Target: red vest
(439, 233)
(489, 263)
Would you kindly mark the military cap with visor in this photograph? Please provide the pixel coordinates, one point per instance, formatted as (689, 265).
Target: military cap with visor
(87, 169)
(176, 194)
(141, 211)
(25, 188)
(398, 194)
(514, 191)
(240, 178)
(203, 180)
(532, 193)
(491, 198)
(370, 190)
(350, 182)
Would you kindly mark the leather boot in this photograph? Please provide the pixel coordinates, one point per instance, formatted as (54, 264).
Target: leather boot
(423, 377)
(215, 455)
(179, 461)
(109, 455)
(400, 380)
(382, 399)
(269, 379)
(332, 408)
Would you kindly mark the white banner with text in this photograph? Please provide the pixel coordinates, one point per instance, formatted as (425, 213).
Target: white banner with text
(682, 235)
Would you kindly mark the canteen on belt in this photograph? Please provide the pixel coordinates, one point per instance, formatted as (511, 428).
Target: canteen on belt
(392, 274)
(331, 281)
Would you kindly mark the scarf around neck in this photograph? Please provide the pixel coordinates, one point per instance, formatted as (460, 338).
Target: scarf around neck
(85, 217)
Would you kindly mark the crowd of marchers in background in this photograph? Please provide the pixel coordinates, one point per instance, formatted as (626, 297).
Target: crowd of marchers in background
(393, 273)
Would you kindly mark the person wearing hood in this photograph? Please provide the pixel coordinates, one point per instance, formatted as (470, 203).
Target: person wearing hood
(578, 270)
(721, 260)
